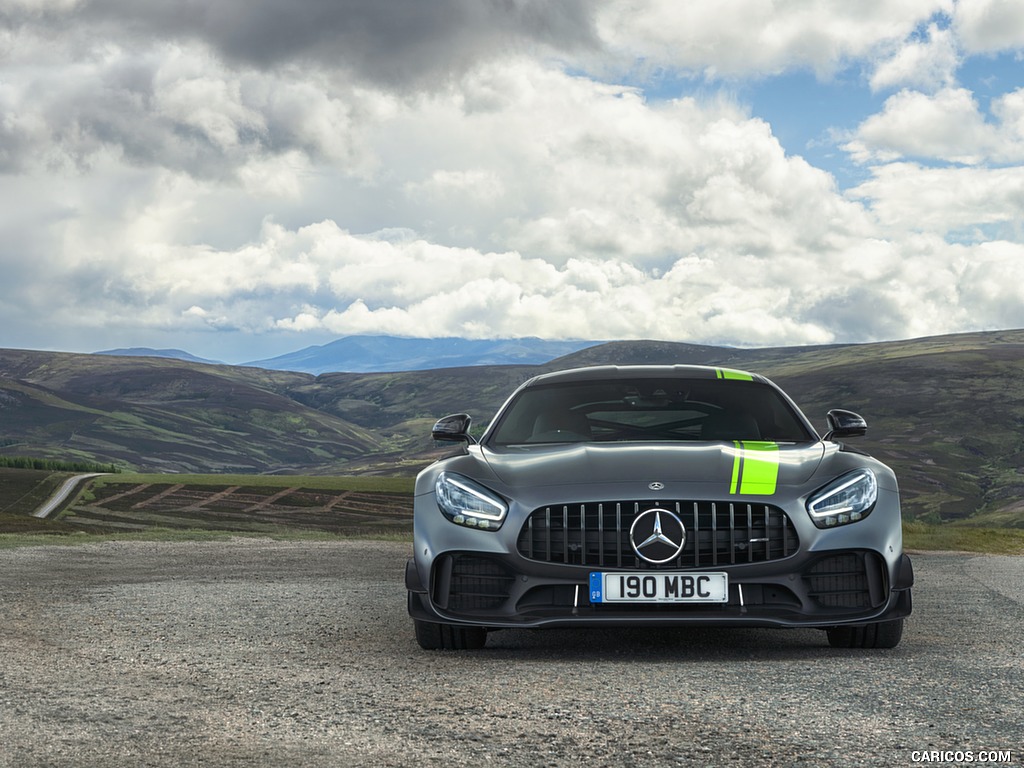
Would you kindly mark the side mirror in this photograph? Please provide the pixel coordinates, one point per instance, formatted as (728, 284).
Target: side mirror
(845, 424)
(453, 429)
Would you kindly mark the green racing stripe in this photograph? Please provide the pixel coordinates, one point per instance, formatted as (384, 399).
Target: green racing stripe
(755, 468)
(728, 373)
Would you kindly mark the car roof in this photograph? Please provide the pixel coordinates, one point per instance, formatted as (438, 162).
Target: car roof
(608, 372)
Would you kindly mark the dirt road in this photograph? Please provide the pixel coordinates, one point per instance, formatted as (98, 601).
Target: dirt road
(252, 652)
(62, 494)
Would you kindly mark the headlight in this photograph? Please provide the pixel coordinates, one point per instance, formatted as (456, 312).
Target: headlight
(846, 499)
(468, 503)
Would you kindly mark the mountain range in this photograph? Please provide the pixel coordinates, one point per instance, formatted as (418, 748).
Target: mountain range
(378, 354)
(947, 413)
(172, 354)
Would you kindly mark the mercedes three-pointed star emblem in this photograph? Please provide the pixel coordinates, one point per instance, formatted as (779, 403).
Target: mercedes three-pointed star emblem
(657, 535)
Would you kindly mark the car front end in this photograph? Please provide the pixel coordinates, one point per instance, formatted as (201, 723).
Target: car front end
(630, 532)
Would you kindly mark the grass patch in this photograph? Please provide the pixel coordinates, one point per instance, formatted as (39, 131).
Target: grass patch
(362, 483)
(955, 538)
(26, 524)
(14, 540)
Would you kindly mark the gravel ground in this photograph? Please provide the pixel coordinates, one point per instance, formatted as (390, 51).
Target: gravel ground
(253, 652)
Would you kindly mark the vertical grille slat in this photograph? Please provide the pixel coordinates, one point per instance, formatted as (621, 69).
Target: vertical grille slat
(583, 532)
(696, 533)
(547, 530)
(565, 532)
(714, 533)
(750, 530)
(732, 533)
(596, 534)
(618, 535)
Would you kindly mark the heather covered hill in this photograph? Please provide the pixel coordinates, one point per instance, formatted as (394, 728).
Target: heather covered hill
(946, 412)
(166, 415)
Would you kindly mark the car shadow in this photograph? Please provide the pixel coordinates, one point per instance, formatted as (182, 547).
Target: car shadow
(696, 644)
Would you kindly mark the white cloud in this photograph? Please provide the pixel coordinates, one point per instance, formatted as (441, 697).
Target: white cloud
(1008, 110)
(947, 126)
(188, 180)
(991, 282)
(35, 6)
(987, 26)
(734, 38)
(448, 186)
(910, 197)
(928, 65)
(589, 169)
(174, 106)
(209, 104)
(360, 284)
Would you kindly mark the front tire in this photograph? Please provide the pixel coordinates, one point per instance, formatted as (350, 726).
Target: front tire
(884, 634)
(448, 637)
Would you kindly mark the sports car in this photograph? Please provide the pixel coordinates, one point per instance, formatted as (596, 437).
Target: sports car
(656, 496)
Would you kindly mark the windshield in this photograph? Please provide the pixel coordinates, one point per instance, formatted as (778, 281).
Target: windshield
(648, 409)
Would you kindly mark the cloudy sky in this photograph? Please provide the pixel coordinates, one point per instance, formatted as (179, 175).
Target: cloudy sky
(242, 178)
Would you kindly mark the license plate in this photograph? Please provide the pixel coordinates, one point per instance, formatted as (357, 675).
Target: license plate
(650, 587)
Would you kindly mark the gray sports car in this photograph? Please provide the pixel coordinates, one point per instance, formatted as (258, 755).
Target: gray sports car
(656, 495)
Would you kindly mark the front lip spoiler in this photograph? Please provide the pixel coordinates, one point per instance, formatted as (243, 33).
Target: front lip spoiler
(897, 605)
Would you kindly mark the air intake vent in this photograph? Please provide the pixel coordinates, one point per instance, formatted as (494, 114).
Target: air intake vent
(850, 580)
(468, 583)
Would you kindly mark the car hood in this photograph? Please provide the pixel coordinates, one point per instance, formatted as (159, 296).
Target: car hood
(554, 465)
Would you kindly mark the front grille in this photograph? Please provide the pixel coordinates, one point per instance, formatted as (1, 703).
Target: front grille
(469, 583)
(717, 533)
(850, 580)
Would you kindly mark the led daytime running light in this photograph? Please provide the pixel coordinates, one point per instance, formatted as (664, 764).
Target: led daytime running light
(466, 503)
(848, 499)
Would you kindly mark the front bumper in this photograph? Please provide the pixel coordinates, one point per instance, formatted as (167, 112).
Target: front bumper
(810, 589)
(783, 571)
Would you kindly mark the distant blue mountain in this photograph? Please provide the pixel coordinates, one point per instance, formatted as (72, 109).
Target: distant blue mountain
(369, 354)
(174, 354)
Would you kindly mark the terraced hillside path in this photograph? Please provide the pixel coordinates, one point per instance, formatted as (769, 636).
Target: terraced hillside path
(139, 506)
(207, 501)
(146, 502)
(270, 500)
(134, 489)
